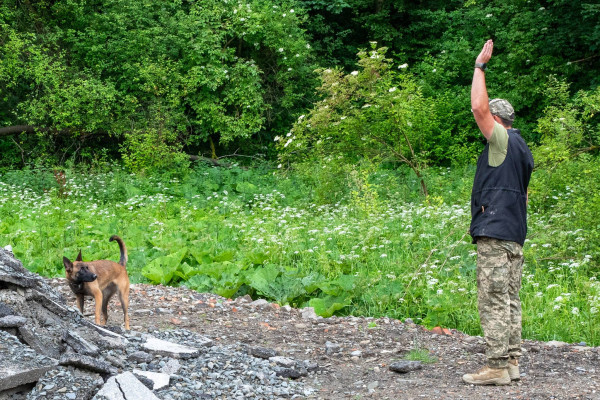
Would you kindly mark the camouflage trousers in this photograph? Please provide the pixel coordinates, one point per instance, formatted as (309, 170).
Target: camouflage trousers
(499, 270)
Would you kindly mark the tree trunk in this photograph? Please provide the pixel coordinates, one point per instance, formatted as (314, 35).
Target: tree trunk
(212, 148)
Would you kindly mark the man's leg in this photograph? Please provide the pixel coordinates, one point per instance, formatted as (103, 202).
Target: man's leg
(494, 311)
(514, 343)
(493, 299)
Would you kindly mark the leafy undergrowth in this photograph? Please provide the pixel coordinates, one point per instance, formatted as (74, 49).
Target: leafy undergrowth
(236, 231)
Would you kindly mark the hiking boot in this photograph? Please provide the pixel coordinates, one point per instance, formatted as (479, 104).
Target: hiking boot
(513, 369)
(488, 376)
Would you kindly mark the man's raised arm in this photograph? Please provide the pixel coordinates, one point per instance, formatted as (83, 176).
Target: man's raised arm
(479, 96)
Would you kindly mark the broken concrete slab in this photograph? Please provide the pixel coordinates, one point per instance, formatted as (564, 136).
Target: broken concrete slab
(87, 362)
(124, 387)
(79, 344)
(12, 321)
(158, 379)
(19, 364)
(169, 349)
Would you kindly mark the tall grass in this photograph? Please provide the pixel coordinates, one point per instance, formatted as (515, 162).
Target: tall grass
(380, 249)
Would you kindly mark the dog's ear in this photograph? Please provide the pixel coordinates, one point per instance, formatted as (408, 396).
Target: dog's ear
(79, 256)
(68, 264)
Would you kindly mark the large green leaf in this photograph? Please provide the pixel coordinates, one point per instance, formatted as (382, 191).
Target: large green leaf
(325, 307)
(162, 269)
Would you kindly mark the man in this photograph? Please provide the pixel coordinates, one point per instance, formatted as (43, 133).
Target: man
(498, 227)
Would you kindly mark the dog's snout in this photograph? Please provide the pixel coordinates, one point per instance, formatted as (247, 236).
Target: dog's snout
(94, 276)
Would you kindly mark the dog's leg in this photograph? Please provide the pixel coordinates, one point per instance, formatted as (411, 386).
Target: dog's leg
(124, 298)
(105, 300)
(98, 299)
(80, 301)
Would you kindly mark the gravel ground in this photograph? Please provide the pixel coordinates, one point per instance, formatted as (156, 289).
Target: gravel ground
(332, 358)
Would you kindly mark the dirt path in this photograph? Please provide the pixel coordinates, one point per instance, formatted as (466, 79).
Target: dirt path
(354, 354)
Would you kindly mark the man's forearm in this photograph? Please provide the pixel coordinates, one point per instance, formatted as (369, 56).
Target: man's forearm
(479, 95)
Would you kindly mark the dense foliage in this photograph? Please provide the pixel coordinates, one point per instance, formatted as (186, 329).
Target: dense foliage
(156, 80)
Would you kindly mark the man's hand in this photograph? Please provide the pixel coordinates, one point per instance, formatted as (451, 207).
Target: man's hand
(486, 52)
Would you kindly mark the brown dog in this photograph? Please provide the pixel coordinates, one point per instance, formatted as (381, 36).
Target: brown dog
(100, 279)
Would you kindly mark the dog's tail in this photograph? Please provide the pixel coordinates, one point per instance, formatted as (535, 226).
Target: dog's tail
(123, 260)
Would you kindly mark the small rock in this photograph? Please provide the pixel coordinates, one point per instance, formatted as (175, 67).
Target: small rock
(405, 366)
(309, 313)
(283, 361)
(140, 357)
(556, 343)
(331, 348)
(263, 352)
(372, 386)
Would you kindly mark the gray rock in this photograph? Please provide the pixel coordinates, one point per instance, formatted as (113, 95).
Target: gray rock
(260, 303)
(171, 367)
(309, 313)
(140, 357)
(263, 352)
(79, 344)
(12, 321)
(331, 348)
(556, 343)
(87, 362)
(404, 367)
(159, 380)
(169, 349)
(293, 373)
(5, 310)
(283, 361)
(124, 387)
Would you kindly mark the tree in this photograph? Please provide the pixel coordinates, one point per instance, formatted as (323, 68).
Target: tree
(376, 113)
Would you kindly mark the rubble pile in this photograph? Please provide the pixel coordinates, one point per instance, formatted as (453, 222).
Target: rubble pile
(48, 350)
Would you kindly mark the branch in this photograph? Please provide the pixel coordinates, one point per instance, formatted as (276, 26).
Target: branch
(584, 59)
(208, 160)
(584, 150)
(17, 129)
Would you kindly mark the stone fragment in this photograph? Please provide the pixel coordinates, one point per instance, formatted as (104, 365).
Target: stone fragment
(283, 361)
(263, 352)
(5, 310)
(79, 344)
(260, 303)
(124, 387)
(87, 362)
(171, 367)
(293, 373)
(244, 299)
(12, 321)
(309, 313)
(140, 357)
(159, 380)
(404, 367)
(169, 349)
(556, 343)
(331, 348)
(310, 366)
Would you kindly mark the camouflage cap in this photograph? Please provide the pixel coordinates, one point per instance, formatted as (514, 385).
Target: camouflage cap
(503, 109)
